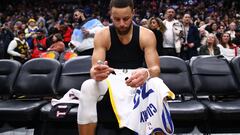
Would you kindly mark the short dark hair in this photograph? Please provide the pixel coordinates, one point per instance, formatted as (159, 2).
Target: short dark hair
(21, 31)
(170, 7)
(79, 10)
(121, 3)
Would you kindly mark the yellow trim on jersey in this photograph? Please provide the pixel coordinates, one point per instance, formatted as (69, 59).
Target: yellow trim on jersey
(171, 94)
(113, 103)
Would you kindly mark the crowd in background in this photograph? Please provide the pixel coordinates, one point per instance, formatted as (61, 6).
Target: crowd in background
(207, 27)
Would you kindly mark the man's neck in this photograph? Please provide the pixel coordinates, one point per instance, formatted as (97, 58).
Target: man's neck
(126, 38)
(170, 19)
(186, 24)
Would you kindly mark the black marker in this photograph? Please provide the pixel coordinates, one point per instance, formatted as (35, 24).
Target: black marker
(101, 63)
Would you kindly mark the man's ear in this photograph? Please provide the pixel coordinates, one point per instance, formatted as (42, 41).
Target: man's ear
(133, 12)
(111, 17)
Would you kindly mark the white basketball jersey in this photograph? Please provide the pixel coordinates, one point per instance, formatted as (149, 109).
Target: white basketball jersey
(143, 109)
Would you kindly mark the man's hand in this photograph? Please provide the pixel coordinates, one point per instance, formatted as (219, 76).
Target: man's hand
(100, 71)
(22, 56)
(191, 45)
(138, 77)
(85, 32)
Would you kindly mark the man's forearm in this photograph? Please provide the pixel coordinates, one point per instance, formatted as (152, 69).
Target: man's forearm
(154, 71)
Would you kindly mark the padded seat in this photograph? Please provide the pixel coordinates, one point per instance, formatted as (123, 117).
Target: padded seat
(225, 110)
(74, 72)
(14, 110)
(176, 75)
(8, 73)
(36, 79)
(235, 63)
(190, 110)
(213, 77)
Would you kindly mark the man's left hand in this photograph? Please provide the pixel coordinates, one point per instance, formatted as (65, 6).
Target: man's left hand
(191, 45)
(138, 77)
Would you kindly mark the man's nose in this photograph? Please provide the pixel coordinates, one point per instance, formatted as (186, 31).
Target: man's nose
(122, 23)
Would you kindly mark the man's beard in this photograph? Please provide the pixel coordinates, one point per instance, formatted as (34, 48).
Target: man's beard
(125, 32)
(79, 21)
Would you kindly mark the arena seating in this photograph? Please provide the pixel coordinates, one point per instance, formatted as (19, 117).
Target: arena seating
(207, 91)
(74, 73)
(235, 63)
(216, 87)
(185, 110)
(35, 82)
(8, 73)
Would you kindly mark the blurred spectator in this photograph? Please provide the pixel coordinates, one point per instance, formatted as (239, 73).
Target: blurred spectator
(51, 33)
(223, 13)
(220, 31)
(232, 28)
(137, 19)
(227, 49)
(18, 48)
(58, 45)
(105, 22)
(67, 20)
(236, 40)
(6, 36)
(144, 22)
(213, 28)
(41, 25)
(201, 23)
(17, 27)
(84, 32)
(41, 19)
(210, 48)
(192, 39)
(155, 25)
(168, 35)
(39, 44)
(30, 32)
(203, 35)
(66, 31)
(208, 24)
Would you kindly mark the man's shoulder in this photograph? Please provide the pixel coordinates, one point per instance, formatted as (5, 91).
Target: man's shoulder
(103, 34)
(146, 37)
(104, 31)
(145, 31)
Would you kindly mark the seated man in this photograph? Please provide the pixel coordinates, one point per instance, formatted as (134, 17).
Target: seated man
(18, 48)
(117, 67)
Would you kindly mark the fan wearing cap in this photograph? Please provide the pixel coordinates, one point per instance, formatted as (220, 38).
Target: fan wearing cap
(40, 43)
(30, 31)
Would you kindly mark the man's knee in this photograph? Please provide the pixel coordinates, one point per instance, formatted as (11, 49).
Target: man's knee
(94, 88)
(87, 112)
(89, 88)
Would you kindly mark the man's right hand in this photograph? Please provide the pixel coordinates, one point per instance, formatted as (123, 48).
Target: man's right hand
(22, 56)
(100, 72)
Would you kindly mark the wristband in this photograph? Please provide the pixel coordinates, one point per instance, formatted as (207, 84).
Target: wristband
(149, 76)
